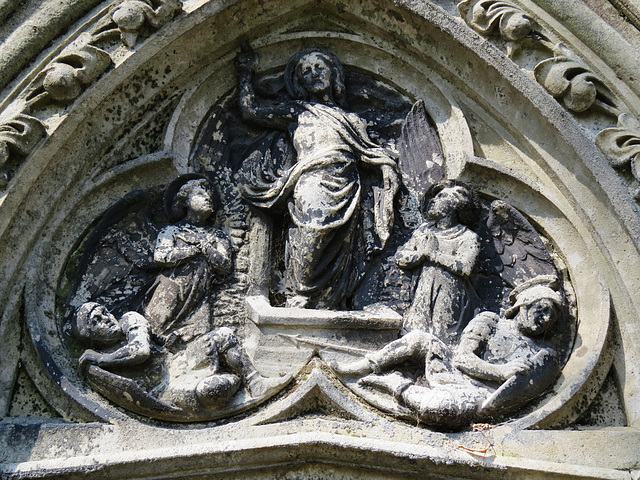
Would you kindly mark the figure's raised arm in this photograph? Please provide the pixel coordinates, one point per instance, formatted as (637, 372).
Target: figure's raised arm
(273, 116)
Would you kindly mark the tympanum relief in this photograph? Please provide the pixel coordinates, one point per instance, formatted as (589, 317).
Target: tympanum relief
(317, 222)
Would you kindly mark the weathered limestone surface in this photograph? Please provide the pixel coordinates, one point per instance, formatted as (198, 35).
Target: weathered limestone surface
(320, 239)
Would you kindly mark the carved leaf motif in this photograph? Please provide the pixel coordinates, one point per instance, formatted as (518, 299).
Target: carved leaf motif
(132, 15)
(566, 77)
(489, 17)
(18, 136)
(77, 66)
(621, 144)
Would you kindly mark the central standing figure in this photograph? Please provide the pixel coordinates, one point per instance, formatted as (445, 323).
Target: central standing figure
(324, 189)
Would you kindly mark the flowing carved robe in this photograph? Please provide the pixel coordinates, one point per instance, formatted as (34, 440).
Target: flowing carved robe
(323, 190)
(176, 297)
(443, 301)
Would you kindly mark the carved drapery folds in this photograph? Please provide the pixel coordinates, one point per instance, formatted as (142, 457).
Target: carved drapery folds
(154, 308)
(377, 221)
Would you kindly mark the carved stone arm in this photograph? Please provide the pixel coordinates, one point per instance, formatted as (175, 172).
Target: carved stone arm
(135, 351)
(271, 116)
(167, 250)
(467, 357)
(411, 255)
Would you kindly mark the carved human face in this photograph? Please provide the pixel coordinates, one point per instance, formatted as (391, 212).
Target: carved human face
(538, 317)
(200, 201)
(103, 326)
(445, 202)
(314, 74)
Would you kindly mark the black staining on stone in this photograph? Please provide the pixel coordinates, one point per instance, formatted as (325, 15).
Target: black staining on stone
(143, 303)
(607, 409)
(320, 188)
(27, 401)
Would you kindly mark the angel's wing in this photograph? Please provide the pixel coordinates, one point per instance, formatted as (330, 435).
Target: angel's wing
(118, 257)
(518, 251)
(421, 159)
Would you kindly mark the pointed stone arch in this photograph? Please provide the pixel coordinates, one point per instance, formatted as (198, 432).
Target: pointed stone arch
(134, 126)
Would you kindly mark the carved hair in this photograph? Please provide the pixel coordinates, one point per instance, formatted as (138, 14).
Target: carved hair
(80, 322)
(298, 92)
(467, 210)
(178, 192)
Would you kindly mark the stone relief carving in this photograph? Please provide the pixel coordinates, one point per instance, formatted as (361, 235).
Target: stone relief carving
(19, 135)
(566, 77)
(132, 15)
(168, 362)
(336, 236)
(322, 190)
(491, 17)
(621, 145)
(77, 66)
(69, 73)
(496, 365)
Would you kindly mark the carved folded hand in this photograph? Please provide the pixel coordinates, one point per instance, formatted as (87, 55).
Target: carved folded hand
(429, 245)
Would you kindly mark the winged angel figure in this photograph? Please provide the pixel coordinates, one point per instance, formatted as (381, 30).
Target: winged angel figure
(318, 174)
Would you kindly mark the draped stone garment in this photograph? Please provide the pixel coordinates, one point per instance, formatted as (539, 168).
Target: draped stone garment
(443, 300)
(175, 303)
(323, 190)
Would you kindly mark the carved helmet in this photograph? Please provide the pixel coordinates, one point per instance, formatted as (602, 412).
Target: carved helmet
(537, 288)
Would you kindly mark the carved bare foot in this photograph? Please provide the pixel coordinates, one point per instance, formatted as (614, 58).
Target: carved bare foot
(298, 301)
(357, 368)
(393, 383)
(260, 386)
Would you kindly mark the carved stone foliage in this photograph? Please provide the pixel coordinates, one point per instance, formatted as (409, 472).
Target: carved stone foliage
(492, 17)
(621, 145)
(568, 79)
(75, 68)
(566, 75)
(502, 19)
(19, 134)
(317, 224)
(131, 16)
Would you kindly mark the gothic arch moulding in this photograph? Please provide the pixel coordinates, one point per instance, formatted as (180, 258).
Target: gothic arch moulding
(242, 219)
